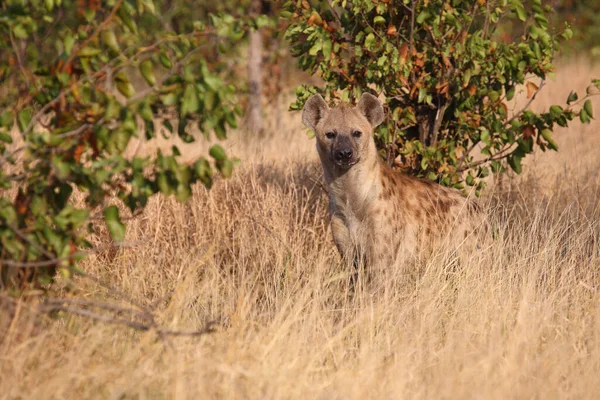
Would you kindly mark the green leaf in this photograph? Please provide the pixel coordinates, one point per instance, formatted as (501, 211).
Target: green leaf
(53, 238)
(226, 168)
(496, 166)
(62, 168)
(423, 15)
(163, 184)
(587, 106)
(510, 93)
(556, 112)
(203, 171)
(68, 42)
(547, 134)
(213, 82)
(123, 85)
(209, 100)
(5, 137)
(110, 40)
(218, 153)
(23, 119)
(422, 95)
(78, 217)
(20, 32)
(485, 136)
(470, 180)
(190, 103)
(114, 224)
(147, 71)
(89, 51)
(327, 48)
(145, 111)
(584, 117)
(315, 48)
(125, 16)
(520, 11)
(181, 127)
(165, 60)
(514, 160)
(182, 193)
(262, 21)
(572, 97)
(6, 119)
(149, 5)
(379, 20)
(369, 41)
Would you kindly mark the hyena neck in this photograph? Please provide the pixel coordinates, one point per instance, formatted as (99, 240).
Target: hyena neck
(355, 189)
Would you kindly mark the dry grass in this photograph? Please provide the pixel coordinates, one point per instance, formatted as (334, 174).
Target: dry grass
(517, 320)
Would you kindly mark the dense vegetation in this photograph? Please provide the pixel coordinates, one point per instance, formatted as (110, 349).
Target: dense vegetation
(447, 75)
(80, 78)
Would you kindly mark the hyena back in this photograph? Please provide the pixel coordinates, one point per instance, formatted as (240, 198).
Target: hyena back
(379, 216)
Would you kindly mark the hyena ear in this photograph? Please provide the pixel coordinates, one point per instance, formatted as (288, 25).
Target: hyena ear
(314, 111)
(371, 107)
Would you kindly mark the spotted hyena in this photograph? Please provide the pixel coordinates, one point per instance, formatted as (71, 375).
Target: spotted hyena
(379, 216)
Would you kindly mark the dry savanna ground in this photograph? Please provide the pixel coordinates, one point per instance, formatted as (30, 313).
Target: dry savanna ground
(517, 319)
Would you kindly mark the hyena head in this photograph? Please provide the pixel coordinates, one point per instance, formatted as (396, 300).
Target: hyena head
(344, 133)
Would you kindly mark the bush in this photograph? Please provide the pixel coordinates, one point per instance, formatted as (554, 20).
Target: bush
(446, 76)
(80, 79)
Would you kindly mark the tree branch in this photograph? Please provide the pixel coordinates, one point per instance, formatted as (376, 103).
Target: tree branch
(163, 79)
(438, 122)
(93, 35)
(19, 59)
(526, 106)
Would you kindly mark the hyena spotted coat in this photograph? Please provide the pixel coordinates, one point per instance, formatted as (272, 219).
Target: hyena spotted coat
(380, 216)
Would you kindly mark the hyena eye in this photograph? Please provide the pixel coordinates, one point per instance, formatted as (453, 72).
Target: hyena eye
(330, 135)
(357, 134)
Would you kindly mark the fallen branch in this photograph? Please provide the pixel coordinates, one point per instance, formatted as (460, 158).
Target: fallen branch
(140, 326)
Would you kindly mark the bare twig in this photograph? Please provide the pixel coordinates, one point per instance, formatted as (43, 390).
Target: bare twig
(438, 122)
(319, 184)
(467, 28)
(19, 59)
(464, 157)
(105, 71)
(95, 34)
(413, 10)
(93, 315)
(498, 156)
(369, 25)
(411, 38)
(487, 20)
(583, 99)
(526, 106)
(118, 292)
(334, 12)
(96, 304)
(147, 322)
(31, 242)
(163, 79)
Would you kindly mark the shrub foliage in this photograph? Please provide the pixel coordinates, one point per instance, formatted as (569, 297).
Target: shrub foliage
(447, 78)
(79, 80)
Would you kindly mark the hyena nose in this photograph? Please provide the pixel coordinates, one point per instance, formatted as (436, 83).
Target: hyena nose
(343, 155)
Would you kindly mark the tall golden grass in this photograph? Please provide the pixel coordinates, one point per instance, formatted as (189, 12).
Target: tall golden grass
(518, 319)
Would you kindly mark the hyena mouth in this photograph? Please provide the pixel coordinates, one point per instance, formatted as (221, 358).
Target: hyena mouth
(346, 164)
